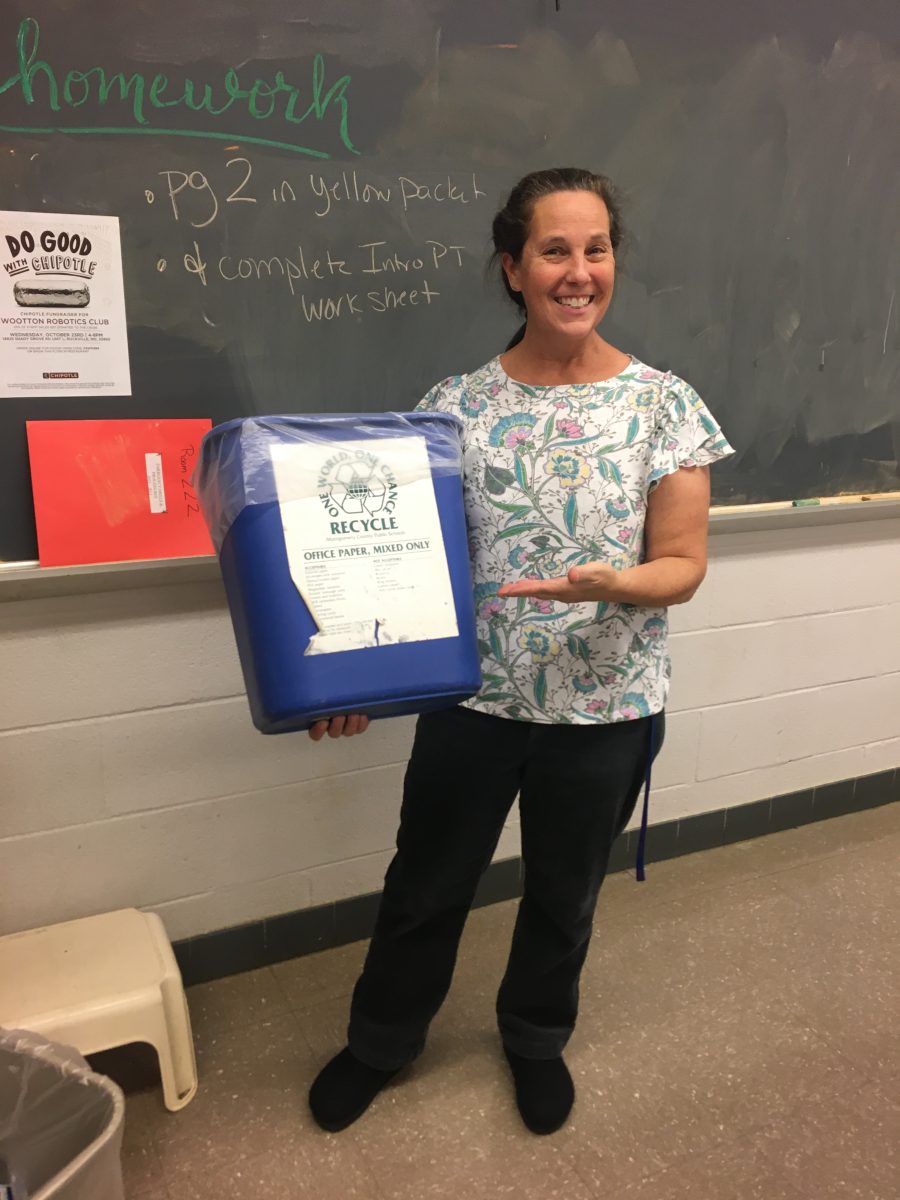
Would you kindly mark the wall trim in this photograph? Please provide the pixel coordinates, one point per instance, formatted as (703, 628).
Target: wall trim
(26, 580)
(224, 952)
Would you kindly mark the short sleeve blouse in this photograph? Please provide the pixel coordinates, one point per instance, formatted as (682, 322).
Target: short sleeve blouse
(556, 476)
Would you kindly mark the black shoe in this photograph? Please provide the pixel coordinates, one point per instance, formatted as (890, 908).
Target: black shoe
(544, 1091)
(344, 1089)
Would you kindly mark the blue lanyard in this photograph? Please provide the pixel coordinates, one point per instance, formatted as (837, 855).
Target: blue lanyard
(642, 839)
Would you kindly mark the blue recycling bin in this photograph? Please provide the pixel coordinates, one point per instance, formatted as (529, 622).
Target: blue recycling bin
(343, 547)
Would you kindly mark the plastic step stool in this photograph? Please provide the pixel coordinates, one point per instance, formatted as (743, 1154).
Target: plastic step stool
(101, 982)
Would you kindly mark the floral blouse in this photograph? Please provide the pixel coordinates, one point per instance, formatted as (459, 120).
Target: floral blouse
(555, 476)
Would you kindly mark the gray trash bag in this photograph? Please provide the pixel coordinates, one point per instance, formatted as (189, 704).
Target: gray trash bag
(60, 1123)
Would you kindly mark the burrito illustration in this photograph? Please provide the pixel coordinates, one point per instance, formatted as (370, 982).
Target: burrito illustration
(52, 293)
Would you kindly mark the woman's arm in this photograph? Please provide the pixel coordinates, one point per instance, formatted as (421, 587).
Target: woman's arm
(675, 543)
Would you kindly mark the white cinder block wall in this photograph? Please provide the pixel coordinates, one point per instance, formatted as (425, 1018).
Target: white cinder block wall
(131, 774)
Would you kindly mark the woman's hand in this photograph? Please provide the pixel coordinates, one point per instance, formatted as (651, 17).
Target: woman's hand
(674, 561)
(591, 581)
(339, 727)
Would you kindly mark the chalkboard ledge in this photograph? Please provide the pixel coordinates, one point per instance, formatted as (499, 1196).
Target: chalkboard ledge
(835, 510)
(28, 581)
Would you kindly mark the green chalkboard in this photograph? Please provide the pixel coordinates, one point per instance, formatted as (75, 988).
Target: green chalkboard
(305, 192)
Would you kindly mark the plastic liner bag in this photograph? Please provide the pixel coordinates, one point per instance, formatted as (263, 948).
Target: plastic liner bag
(61, 1124)
(356, 494)
(238, 460)
(342, 536)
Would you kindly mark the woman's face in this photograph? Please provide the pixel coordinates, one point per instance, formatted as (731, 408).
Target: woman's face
(567, 268)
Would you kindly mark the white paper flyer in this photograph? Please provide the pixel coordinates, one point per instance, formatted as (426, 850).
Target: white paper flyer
(62, 306)
(364, 541)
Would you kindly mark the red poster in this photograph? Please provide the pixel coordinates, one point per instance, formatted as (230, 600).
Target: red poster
(116, 491)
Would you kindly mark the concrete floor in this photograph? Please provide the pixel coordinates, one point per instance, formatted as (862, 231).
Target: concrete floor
(737, 1039)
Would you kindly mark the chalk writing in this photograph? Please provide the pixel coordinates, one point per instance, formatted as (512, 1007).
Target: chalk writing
(411, 191)
(377, 264)
(280, 266)
(199, 193)
(410, 271)
(197, 182)
(135, 96)
(236, 194)
(194, 264)
(328, 308)
(284, 193)
(303, 267)
(388, 299)
(350, 188)
(347, 187)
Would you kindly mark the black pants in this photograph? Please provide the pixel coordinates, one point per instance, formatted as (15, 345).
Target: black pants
(577, 790)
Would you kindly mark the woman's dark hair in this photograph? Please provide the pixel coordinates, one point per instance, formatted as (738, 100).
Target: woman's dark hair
(513, 221)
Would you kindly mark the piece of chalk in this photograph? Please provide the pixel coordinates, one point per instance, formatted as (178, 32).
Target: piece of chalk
(804, 503)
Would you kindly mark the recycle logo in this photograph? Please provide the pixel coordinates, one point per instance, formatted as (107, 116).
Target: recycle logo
(357, 482)
(356, 489)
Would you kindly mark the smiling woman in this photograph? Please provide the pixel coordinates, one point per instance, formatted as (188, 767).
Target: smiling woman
(566, 269)
(94, 86)
(586, 496)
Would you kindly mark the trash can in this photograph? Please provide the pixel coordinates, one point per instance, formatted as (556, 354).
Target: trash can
(343, 547)
(60, 1123)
